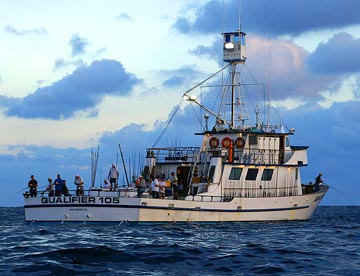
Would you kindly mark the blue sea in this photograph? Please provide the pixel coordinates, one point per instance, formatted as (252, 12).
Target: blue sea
(328, 244)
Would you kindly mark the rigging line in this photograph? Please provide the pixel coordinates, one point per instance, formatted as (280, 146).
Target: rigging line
(197, 116)
(182, 99)
(168, 123)
(200, 83)
(263, 90)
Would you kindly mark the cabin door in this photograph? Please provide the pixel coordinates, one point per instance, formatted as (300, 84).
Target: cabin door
(182, 173)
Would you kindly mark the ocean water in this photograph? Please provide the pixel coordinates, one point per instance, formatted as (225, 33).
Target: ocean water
(328, 244)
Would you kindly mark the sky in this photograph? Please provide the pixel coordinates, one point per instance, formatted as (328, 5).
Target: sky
(78, 75)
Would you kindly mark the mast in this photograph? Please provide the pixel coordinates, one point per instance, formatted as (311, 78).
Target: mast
(233, 68)
(234, 53)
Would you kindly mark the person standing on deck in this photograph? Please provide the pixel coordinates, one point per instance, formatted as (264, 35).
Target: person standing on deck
(113, 176)
(79, 182)
(33, 184)
(318, 182)
(162, 187)
(58, 185)
(141, 186)
(155, 187)
(173, 183)
(50, 187)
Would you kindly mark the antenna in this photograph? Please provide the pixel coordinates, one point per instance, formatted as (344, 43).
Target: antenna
(223, 23)
(268, 95)
(239, 15)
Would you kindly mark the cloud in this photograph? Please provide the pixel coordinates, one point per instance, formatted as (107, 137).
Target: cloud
(78, 45)
(263, 16)
(179, 77)
(339, 55)
(124, 16)
(12, 30)
(61, 63)
(80, 91)
(8, 101)
(289, 77)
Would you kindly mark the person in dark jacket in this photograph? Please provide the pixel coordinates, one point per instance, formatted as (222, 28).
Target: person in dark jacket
(33, 184)
(58, 185)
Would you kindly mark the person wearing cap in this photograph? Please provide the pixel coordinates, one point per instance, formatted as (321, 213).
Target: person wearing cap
(50, 187)
(79, 182)
(33, 184)
(318, 182)
(113, 176)
(106, 184)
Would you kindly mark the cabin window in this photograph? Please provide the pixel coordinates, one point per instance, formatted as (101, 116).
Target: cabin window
(252, 140)
(267, 175)
(236, 38)
(235, 173)
(251, 174)
(227, 38)
(287, 141)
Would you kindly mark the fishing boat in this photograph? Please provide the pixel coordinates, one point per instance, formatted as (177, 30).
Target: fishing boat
(239, 172)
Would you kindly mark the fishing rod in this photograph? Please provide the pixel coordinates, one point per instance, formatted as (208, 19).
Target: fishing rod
(117, 161)
(337, 190)
(122, 158)
(21, 190)
(41, 187)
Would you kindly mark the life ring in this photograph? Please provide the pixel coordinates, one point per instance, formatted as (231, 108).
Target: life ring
(226, 142)
(214, 142)
(239, 142)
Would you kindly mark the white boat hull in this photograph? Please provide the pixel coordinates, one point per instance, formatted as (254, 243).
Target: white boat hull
(107, 208)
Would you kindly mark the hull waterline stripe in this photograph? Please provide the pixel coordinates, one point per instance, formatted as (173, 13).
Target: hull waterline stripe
(166, 208)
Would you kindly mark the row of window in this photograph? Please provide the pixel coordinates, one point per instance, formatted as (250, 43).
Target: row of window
(251, 174)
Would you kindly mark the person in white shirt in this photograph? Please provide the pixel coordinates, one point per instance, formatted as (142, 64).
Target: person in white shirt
(50, 187)
(155, 188)
(113, 176)
(79, 182)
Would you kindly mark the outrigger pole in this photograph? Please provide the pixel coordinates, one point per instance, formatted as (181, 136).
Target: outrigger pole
(122, 158)
(94, 162)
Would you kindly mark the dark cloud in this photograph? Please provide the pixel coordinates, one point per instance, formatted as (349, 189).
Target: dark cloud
(80, 91)
(8, 101)
(213, 51)
(179, 77)
(273, 18)
(78, 44)
(12, 30)
(340, 55)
